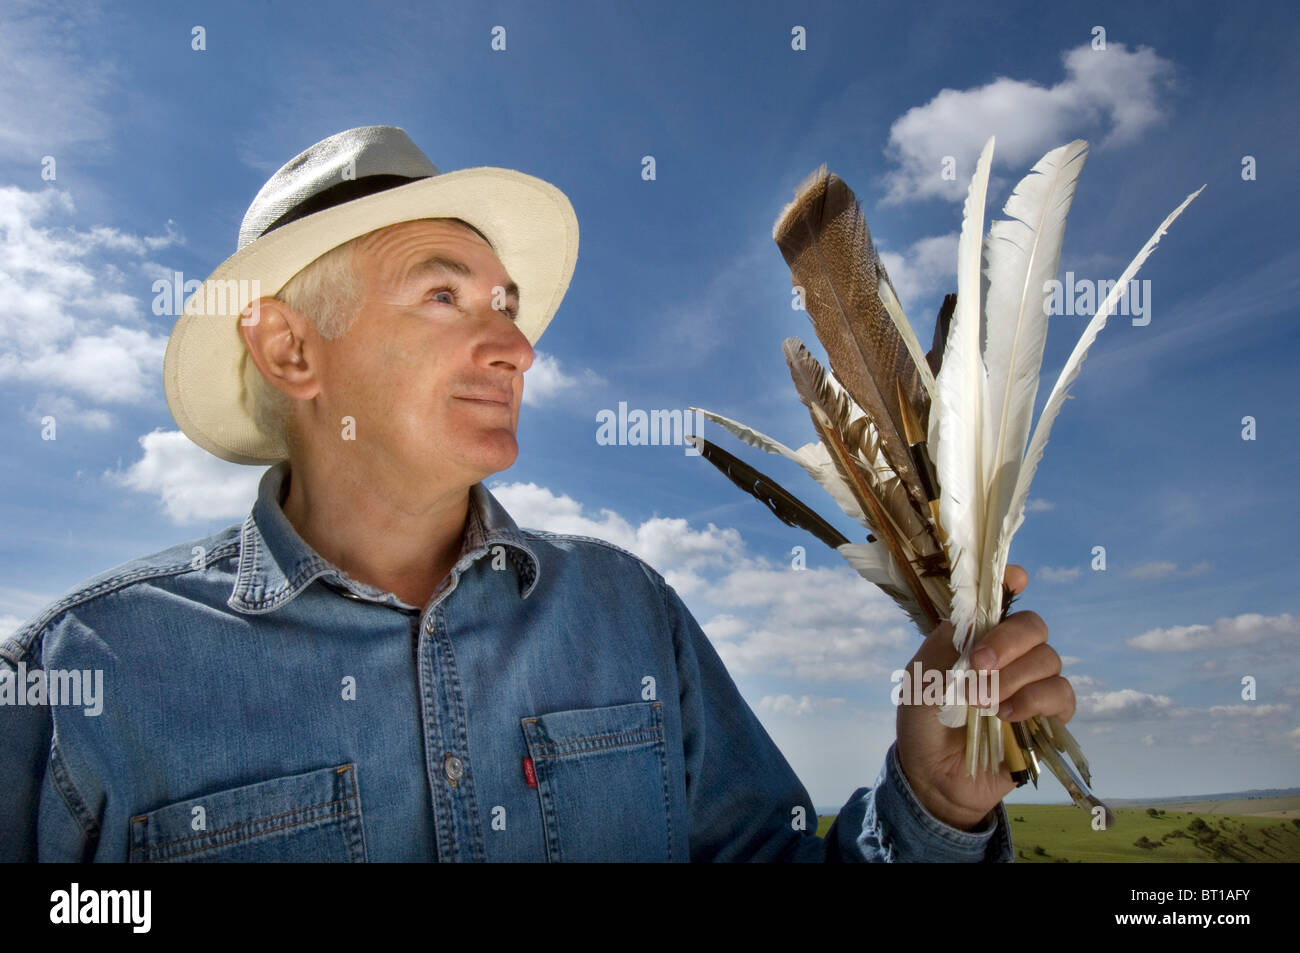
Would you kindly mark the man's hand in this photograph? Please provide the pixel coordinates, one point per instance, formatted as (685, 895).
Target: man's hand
(933, 757)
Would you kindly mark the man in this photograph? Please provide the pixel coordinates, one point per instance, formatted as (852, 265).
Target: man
(378, 664)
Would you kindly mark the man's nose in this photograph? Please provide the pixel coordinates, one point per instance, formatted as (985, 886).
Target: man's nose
(506, 342)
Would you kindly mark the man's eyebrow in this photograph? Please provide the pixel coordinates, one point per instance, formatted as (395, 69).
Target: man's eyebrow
(440, 263)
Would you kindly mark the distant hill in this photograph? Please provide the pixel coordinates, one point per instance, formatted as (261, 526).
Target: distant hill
(1052, 833)
(1251, 795)
(1227, 797)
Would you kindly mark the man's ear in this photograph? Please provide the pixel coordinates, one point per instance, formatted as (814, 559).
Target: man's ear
(278, 343)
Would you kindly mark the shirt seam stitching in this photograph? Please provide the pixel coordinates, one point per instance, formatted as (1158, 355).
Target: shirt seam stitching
(39, 626)
(68, 793)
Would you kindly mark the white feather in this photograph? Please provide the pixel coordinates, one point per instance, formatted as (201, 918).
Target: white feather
(961, 389)
(952, 714)
(875, 563)
(748, 434)
(1022, 253)
(1043, 429)
(813, 457)
(871, 561)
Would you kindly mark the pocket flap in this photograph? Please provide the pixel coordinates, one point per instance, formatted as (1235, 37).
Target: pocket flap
(302, 817)
(584, 730)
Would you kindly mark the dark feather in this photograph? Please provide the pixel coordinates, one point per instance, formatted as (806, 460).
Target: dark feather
(1008, 597)
(941, 325)
(775, 497)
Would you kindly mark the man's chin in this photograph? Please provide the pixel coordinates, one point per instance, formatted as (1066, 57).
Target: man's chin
(492, 457)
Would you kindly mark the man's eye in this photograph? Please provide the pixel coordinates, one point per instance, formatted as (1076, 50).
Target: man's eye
(452, 292)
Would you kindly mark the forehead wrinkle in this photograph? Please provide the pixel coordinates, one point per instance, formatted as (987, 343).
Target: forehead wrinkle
(377, 244)
(438, 263)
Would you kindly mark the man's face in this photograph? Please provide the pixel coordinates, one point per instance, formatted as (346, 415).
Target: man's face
(430, 370)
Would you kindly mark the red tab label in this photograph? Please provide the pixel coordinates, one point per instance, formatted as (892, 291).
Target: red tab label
(530, 775)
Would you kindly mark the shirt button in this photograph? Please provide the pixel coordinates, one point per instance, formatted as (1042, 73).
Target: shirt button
(453, 767)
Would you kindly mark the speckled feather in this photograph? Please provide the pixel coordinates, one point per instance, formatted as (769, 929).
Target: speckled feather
(823, 237)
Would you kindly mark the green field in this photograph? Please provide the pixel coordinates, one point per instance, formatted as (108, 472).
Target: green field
(1050, 833)
(1278, 806)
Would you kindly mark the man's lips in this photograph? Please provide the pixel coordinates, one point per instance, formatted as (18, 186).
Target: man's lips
(488, 397)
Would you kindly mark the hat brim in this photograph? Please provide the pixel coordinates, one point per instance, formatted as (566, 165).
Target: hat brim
(530, 223)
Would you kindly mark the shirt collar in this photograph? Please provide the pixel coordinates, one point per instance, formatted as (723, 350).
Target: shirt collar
(275, 563)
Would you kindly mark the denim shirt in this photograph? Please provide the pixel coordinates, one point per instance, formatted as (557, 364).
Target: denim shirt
(554, 701)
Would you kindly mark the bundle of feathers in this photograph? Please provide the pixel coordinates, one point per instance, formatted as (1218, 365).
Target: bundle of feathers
(932, 451)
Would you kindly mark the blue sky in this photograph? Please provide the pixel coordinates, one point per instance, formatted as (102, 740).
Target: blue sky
(681, 298)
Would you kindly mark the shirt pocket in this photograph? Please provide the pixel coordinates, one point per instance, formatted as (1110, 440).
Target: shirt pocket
(312, 817)
(602, 780)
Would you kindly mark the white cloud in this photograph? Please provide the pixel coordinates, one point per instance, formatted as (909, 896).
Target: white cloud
(803, 705)
(1048, 574)
(1249, 711)
(546, 379)
(1083, 683)
(1036, 505)
(1246, 629)
(20, 606)
(929, 266)
(102, 236)
(192, 484)
(23, 603)
(725, 628)
(816, 625)
(68, 324)
(671, 546)
(1127, 703)
(67, 411)
(122, 365)
(1160, 569)
(1115, 89)
(1153, 570)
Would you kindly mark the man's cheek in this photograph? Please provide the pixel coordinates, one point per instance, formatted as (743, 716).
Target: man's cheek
(391, 351)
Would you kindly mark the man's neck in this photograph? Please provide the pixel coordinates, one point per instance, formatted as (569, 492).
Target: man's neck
(378, 533)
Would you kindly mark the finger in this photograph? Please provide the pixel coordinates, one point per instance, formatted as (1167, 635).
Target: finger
(1040, 662)
(1049, 696)
(1009, 640)
(1015, 578)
